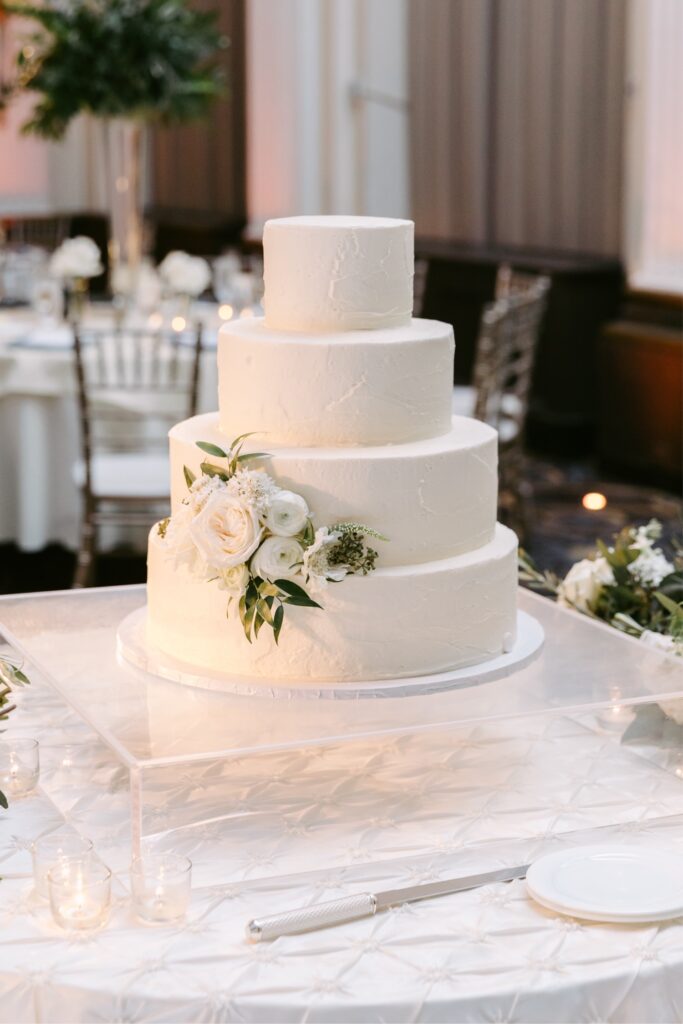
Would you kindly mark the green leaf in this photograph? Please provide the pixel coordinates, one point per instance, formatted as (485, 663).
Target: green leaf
(243, 610)
(258, 622)
(210, 470)
(672, 586)
(3, 800)
(308, 534)
(20, 677)
(264, 611)
(242, 437)
(189, 476)
(248, 456)
(249, 621)
(267, 589)
(296, 594)
(671, 606)
(278, 619)
(212, 449)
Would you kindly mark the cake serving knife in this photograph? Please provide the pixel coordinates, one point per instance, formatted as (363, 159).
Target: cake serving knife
(367, 904)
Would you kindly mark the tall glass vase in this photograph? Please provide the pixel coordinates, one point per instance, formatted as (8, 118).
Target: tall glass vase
(124, 148)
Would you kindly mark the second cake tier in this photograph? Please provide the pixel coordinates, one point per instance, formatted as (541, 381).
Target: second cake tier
(432, 499)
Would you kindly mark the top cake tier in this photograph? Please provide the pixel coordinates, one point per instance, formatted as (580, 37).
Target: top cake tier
(337, 273)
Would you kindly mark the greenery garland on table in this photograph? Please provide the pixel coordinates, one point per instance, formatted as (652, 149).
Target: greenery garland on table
(632, 584)
(10, 677)
(140, 59)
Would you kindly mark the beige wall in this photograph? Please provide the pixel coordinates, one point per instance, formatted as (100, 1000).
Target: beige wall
(516, 121)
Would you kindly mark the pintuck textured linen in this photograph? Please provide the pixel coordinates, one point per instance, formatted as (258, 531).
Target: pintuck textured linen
(323, 822)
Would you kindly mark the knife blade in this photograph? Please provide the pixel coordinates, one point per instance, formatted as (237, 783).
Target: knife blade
(366, 904)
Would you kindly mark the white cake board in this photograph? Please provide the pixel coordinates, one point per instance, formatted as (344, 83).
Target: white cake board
(135, 651)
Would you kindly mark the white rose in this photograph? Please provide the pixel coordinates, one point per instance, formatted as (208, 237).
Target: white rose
(76, 257)
(185, 274)
(277, 558)
(234, 580)
(286, 514)
(226, 531)
(582, 585)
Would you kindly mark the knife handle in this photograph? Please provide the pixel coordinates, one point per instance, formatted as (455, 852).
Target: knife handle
(320, 915)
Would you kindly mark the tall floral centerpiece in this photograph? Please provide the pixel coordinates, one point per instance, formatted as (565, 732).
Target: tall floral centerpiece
(128, 63)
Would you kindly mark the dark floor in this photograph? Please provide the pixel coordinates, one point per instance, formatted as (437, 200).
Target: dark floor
(561, 530)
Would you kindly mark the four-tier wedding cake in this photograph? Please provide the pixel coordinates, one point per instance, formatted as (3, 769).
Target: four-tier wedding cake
(333, 521)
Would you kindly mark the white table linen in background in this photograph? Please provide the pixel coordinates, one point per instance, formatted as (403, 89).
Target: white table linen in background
(39, 444)
(486, 955)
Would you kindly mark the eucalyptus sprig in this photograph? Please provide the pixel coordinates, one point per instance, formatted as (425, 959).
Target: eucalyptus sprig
(235, 457)
(263, 602)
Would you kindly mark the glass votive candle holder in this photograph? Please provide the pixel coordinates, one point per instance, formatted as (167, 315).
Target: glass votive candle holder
(19, 766)
(161, 885)
(54, 850)
(80, 893)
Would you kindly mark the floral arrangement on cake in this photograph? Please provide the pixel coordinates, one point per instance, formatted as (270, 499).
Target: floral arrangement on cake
(11, 676)
(238, 527)
(631, 584)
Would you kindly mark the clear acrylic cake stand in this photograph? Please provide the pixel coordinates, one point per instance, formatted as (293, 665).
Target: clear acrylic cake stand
(188, 752)
(135, 652)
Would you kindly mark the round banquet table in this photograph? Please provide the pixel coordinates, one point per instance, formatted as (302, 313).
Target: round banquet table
(487, 955)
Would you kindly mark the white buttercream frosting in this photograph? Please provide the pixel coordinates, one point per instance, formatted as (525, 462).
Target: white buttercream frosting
(337, 273)
(358, 387)
(401, 621)
(432, 498)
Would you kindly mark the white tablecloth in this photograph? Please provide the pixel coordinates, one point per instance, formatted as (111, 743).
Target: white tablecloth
(486, 955)
(39, 428)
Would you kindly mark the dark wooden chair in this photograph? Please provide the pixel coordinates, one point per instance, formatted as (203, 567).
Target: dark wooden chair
(132, 386)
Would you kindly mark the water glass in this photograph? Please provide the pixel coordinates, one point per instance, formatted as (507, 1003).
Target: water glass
(19, 766)
(161, 885)
(55, 850)
(80, 893)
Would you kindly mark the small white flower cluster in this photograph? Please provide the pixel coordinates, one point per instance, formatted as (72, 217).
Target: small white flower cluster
(75, 258)
(651, 565)
(184, 274)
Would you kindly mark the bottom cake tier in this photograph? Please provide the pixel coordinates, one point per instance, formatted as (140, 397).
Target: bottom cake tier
(398, 621)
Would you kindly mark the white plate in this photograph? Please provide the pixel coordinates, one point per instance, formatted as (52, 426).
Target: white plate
(134, 650)
(624, 883)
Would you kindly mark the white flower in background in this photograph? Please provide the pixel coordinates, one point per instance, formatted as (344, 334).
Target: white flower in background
(316, 559)
(277, 558)
(254, 487)
(286, 514)
(651, 565)
(184, 274)
(234, 580)
(582, 585)
(76, 257)
(226, 531)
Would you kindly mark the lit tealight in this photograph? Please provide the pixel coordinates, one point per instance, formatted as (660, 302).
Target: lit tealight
(226, 311)
(178, 323)
(594, 501)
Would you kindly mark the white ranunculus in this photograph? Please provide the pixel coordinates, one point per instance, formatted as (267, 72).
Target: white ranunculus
(226, 532)
(286, 514)
(180, 546)
(582, 585)
(234, 580)
(76, 257)
(316, 559)
(277, 558)
(184, 274)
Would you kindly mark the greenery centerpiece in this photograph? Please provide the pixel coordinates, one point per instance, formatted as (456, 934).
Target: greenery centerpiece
(128, 63)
